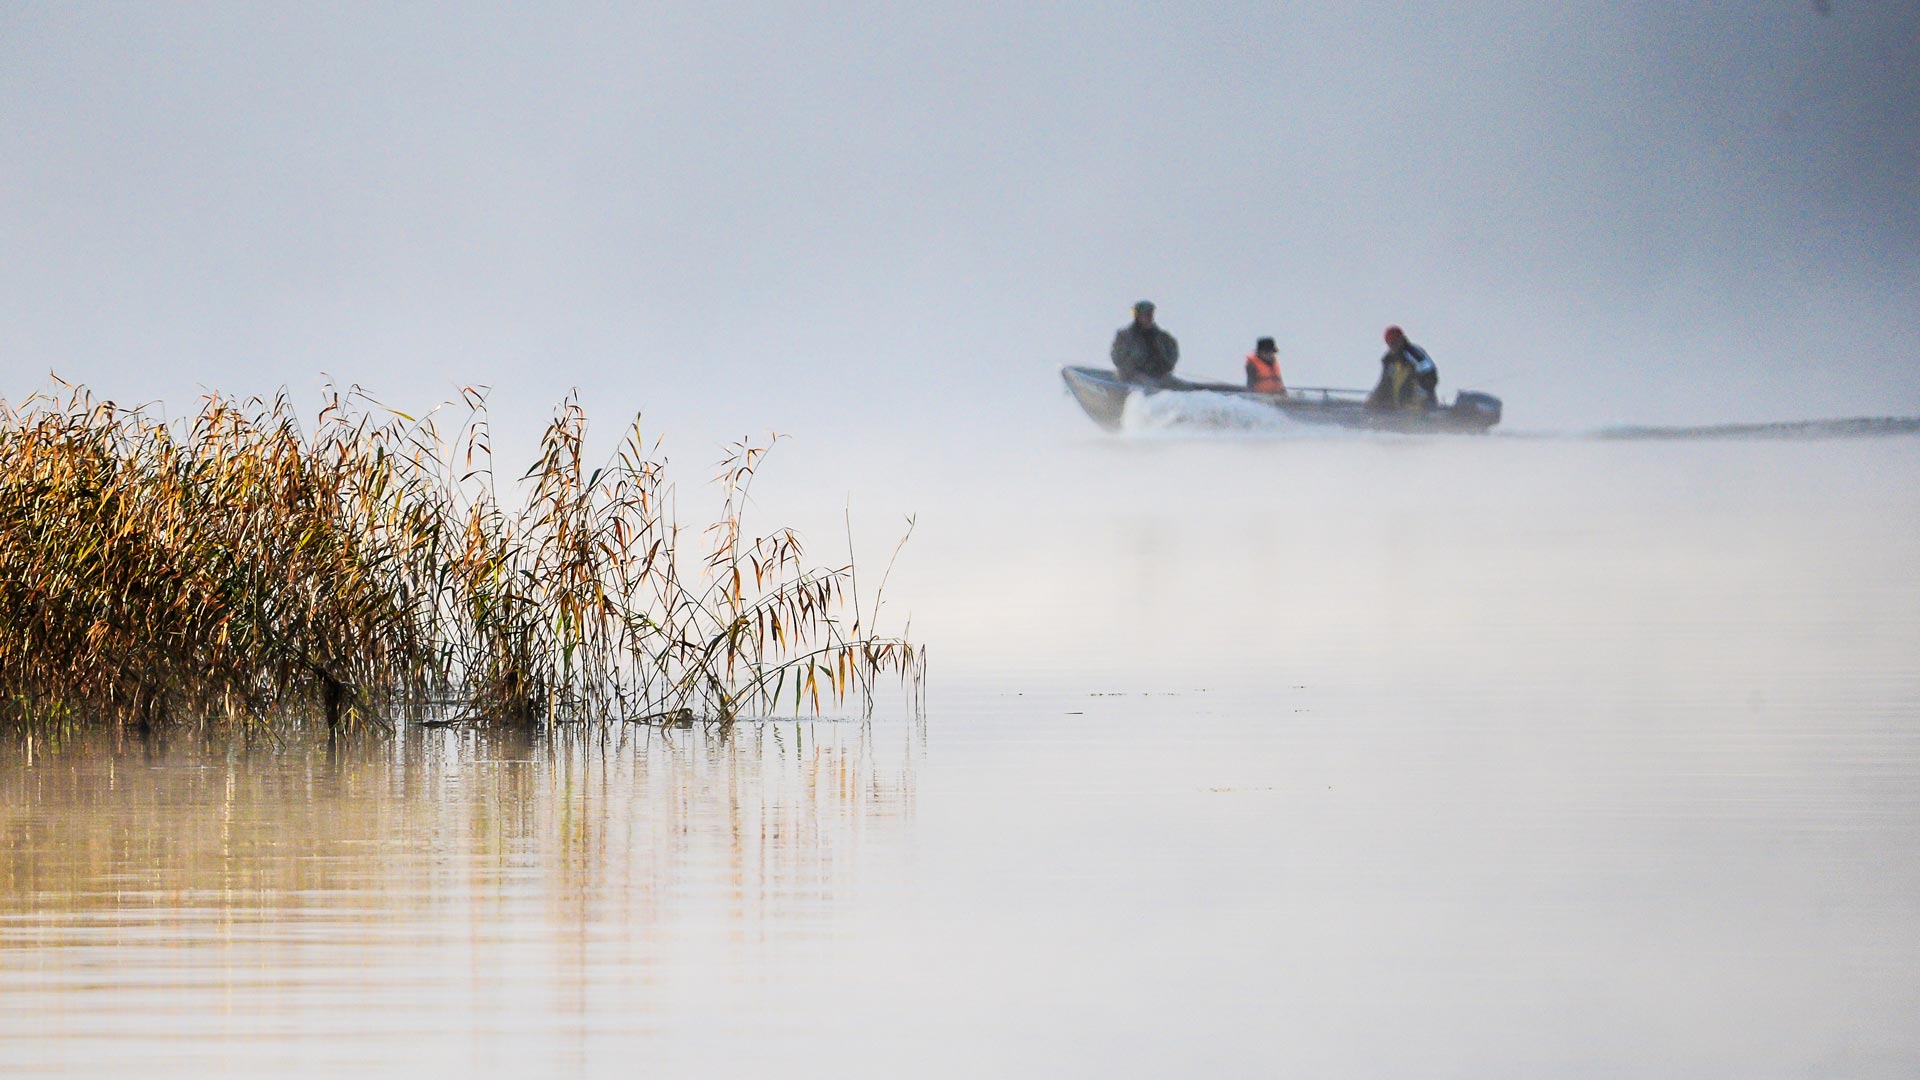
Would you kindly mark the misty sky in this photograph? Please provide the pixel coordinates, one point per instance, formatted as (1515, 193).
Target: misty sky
(895, 222)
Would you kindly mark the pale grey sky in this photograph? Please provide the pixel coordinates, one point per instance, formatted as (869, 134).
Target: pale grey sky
(896, 221)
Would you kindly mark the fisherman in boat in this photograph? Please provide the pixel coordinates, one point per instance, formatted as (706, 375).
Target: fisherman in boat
(1408, 377)
(1142, 352)
(1263, 368)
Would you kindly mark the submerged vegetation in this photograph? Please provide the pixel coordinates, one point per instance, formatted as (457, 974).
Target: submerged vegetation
(372, 568)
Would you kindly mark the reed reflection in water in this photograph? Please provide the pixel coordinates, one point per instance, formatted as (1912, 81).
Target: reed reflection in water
(450, 902)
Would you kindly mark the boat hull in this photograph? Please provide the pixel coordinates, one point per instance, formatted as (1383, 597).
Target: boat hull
(1102, 395)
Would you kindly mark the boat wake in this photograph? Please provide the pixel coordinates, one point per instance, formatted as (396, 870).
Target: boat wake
(1213, 414)
(1859, 427)
(1223, 415)
(1201, 411)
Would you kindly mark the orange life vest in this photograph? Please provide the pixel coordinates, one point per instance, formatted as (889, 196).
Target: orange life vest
(1264, 375)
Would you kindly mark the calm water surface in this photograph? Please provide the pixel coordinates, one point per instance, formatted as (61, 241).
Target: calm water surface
(1343, 757)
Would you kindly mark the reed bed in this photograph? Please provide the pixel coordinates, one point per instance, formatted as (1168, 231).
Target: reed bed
(371, 567)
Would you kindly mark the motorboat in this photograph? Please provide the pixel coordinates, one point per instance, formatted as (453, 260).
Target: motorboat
(1103, 394)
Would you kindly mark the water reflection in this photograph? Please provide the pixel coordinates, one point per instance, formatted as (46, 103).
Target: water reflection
(176, 907)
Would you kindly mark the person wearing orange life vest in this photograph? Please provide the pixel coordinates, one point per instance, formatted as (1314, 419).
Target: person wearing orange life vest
(1263, 368)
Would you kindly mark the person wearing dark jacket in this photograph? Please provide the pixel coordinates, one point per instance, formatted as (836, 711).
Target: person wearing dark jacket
(1408, 377)
(1142, 352)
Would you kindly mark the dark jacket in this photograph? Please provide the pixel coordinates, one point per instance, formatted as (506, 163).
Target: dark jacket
(1408, 379)
(1144, 353)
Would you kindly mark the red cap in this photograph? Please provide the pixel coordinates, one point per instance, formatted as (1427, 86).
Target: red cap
(1394, 332)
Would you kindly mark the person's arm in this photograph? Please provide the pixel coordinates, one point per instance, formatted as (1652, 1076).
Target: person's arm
(1379, 397)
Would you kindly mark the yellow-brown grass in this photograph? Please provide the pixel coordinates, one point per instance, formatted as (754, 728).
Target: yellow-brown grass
(367, 568)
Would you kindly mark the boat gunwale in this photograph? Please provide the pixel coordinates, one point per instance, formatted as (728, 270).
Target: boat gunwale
(1110, 392)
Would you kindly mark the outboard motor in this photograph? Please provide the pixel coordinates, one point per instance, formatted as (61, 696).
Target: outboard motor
(1483, 408)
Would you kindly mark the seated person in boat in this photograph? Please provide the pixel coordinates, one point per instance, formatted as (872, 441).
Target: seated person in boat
(1142, 352)
(1263, 368)
(1408, 377)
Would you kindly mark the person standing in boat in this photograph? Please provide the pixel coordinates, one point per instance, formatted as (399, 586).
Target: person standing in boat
(1142, 352)
(1263, 368)
(1408, 377)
